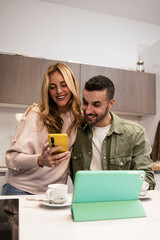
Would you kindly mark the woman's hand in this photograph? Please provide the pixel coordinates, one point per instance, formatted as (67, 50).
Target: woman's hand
(46, 158)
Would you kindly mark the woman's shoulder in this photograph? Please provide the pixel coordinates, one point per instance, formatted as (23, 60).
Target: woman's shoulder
(32, 115)
(32, 109)
(30, 122)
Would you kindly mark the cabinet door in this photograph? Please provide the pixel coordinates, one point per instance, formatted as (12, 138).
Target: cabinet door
(136, 93)
(148, 93)
(21, 78)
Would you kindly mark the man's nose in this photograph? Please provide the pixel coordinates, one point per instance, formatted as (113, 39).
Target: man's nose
(88, 109)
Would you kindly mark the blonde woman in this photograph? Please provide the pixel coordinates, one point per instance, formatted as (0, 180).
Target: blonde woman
(31, 165)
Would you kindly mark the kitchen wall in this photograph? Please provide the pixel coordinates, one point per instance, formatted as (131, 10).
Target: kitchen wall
(152, 64)
(9, 118)
(151, 58)
(42, 29)
(37, 28)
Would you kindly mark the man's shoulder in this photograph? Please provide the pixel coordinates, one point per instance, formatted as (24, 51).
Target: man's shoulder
(127, 125)
(130, 124)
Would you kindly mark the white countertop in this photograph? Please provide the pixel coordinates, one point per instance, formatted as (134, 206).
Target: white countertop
(3, 169)
(40, 222)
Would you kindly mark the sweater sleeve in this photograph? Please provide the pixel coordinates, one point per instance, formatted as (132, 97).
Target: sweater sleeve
(29, 139)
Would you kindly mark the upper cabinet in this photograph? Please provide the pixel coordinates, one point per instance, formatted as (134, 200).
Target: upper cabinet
(21, 79)
(134, 91)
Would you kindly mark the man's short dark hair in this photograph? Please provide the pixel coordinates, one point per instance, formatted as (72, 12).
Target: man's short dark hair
(99, 83)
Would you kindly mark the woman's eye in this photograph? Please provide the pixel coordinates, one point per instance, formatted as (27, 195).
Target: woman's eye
(52, 87)
(64, 85)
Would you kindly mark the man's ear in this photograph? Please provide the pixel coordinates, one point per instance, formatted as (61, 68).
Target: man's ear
(111, 103)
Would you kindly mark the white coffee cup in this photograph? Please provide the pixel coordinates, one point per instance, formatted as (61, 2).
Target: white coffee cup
(57, 193)
(144, 188)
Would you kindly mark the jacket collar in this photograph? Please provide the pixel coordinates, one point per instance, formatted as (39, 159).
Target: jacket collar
(116, 126)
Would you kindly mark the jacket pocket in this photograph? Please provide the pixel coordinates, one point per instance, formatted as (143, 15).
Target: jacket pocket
(120, 163)
(76, 164)
(76, 156)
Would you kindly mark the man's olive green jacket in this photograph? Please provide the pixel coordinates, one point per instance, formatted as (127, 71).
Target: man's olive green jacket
(126, 147)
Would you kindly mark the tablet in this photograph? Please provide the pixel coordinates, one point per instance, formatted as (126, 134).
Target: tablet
(99, 195)
(95, 186)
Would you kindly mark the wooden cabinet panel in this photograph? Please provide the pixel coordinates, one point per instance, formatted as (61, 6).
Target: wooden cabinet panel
(134, 91)
(21, 78)
(147, 91)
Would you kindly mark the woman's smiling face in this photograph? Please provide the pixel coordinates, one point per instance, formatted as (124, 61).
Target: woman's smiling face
(59, 91)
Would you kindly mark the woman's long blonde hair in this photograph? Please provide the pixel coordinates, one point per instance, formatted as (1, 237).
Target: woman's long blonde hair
(48, 108)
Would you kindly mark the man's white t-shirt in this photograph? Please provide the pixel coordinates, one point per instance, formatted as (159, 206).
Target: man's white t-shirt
(99, 133)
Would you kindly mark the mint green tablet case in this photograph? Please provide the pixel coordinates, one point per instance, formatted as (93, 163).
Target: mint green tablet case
(100, 195)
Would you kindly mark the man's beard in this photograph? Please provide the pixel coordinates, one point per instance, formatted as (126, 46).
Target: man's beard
(97, 118)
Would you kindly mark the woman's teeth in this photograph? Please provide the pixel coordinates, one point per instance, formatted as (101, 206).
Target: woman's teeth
(61, 97)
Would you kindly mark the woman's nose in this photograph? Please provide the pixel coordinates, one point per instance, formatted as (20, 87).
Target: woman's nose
(59, 89)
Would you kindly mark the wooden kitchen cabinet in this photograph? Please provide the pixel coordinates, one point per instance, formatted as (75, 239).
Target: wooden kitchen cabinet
(21, 78)
(137, 92)
(134, 91)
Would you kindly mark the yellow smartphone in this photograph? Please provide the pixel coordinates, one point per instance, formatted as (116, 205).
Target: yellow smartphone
(58, 139)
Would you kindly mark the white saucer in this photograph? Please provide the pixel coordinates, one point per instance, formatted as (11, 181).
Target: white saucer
(144, 195)
(54, 205)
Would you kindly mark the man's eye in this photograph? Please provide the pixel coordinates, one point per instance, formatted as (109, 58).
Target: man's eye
(96, 105)
(84, 103)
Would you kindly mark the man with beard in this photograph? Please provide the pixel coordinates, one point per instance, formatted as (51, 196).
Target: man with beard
(105, 141)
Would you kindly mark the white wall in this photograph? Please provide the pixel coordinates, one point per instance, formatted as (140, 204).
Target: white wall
(8, 123)
(151, 58)
(42, 29)
(37, 28)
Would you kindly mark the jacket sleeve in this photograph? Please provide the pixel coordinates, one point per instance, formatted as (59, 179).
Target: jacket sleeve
(156, 145)
(27, 144)
(141, 157)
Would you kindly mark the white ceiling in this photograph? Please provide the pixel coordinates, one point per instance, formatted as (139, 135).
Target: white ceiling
(140, 10)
